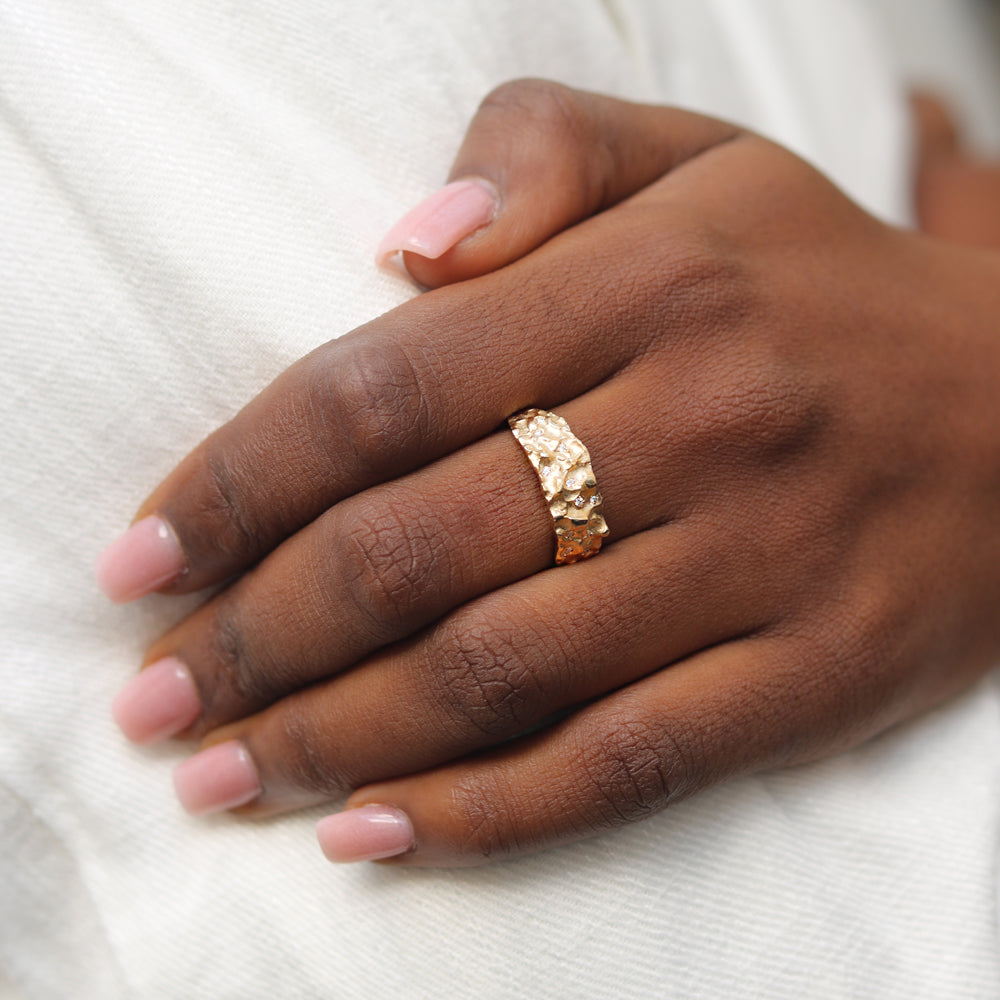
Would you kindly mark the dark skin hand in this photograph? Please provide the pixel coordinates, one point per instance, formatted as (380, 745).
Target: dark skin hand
(793, 412)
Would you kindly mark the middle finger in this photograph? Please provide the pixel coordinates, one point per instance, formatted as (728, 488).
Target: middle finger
(381, 565)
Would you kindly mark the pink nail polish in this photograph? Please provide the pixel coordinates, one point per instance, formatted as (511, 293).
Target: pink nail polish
(441, 221)
(221, 777)
(147, 556)
(365, 834)
(160, 701)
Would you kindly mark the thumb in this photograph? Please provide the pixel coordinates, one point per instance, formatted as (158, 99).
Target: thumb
(537, 158)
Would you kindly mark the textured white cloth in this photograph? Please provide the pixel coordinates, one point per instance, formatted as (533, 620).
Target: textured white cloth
(952, 47)
(190, 194)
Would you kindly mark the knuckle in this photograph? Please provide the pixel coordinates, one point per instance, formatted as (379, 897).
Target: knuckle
(312, 763)
(395, 561)
(696, 284)
(552, 122)
(636, 769)
(763, 411)
(371, 392)
(489, 676)
(753, 407)
(483, 808)
(702, 277)
(757, 396)
(542, 103)
(229, 500)
(244, 670)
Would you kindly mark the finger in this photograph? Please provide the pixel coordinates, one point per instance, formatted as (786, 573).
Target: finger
(416, 384)
(421, 382)
(413, 385)
(731, 710)
(537, 158)
(937, 129)
(496, 668)
(383, 564)
(372, 570)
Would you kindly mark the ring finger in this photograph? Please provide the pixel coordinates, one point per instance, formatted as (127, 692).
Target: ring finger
(383, 564)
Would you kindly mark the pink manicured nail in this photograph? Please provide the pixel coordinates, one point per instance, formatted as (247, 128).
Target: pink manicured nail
(221, 777)
(365, 834)
(160, 701)
(147, 556)
(441, 221)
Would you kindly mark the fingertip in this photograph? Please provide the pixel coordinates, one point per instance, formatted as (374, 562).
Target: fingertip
(220, 777)
(365, 833)
(148, 556)
(157, 703)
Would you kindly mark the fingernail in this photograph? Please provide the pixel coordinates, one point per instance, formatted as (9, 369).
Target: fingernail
(158, 702)
(221, 777)
(442, 220)
(146, 557)
(365, 834)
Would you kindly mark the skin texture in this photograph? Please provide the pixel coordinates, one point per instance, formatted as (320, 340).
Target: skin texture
(793, 412)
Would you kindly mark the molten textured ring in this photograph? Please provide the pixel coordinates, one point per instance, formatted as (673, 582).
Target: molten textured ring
(563, 466)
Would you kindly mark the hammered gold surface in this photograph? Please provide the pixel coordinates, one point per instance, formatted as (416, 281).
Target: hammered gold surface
(564, 470)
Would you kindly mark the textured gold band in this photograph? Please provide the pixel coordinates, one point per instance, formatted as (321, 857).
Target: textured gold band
(564, 470)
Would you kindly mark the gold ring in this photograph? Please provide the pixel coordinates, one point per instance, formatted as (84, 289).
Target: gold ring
(563, 466)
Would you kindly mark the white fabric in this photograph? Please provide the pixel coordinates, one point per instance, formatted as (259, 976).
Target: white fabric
(952, 47)
(189, 197)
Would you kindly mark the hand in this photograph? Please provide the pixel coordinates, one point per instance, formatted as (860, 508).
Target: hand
(793, 412)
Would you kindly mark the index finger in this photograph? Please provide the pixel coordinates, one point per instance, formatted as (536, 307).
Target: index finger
(434, 374)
